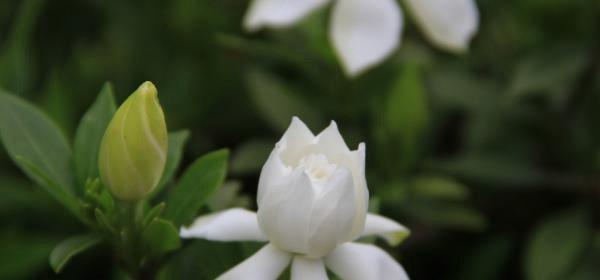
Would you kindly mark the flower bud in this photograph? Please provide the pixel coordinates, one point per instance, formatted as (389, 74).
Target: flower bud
(133, 150)
(312, 192)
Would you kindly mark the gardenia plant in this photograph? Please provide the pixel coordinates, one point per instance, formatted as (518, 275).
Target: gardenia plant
(312, 205)
(365, 32)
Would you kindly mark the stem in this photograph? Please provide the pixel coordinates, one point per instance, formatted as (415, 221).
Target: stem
(129, 238)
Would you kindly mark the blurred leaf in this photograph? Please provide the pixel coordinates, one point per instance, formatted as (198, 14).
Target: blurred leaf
(90, 132)
(250, 156)
(228, 196)
(162, 236)
(550, 73)
(556, 245)
(488, 260)
(177, 141)
(203, 259)
(439, 188)
(489, 170)
(198, 182)
(588, 268)
(451, 88)
(57, 102)
(16, 63)
(447, 215)
(17, 195)
(23, 255)
(276, 103)
(63, 252)
(27, 133)
(406, 114)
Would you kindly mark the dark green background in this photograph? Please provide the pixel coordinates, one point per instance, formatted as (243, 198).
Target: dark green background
(491, 158)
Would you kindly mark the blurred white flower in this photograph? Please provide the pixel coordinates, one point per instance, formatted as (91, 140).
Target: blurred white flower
(312, 203)
(365, 32)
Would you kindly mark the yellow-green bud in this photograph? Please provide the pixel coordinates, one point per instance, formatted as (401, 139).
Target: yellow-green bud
(133, 150)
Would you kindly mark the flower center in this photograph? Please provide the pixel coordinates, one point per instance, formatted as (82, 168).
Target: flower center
(317, 167)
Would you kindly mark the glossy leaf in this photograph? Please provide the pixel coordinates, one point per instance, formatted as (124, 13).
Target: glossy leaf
(90, 132)
(156, 211)
(71, 247)
(27, 133)
(161, 236)
(198, 182)
(177, 141)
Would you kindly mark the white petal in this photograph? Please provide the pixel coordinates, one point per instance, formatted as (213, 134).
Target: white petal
(364, 33)
(354, 261)
(230, 225)
(388, 229)
(330, 139)
(333, 214)
(284, 212)
(266, 264)
(447, 24)
(308, 269)
(277, 166)
(278, 13)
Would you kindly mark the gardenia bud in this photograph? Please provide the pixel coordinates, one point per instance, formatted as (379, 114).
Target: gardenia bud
(312, 192)
(133, 150)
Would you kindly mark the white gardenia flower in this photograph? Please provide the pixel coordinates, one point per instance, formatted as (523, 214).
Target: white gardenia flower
(312, 204)
(365, 32)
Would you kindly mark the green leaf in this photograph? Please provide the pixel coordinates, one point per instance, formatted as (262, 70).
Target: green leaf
(27, 133)
(89, 134)
(228, 196)
(490, 170)
(66, 199)
(161, 236)
(16, 63)
(276, 103)
(153, 213)
(250, 156)
(215, 257)
(439, 187)
(557, 244)
(488, 259)
(23, 255)
(406, 113)
(70, 247)
(550, 73)
(447, 215)
(200, 180)
(177, 141)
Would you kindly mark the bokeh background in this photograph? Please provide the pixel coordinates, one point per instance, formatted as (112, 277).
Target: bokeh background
(491, 158)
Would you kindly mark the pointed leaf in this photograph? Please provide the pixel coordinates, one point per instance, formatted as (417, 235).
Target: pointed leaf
(200, 180)
(27, 133)
(557, 245)
(70, 247)
(90, 132)
(406, 113)
(153, 213)
(177, 141)
(161, 236)
(277, 103)
(68, 200)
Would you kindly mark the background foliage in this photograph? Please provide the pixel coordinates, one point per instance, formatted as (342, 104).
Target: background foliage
(491, 158)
